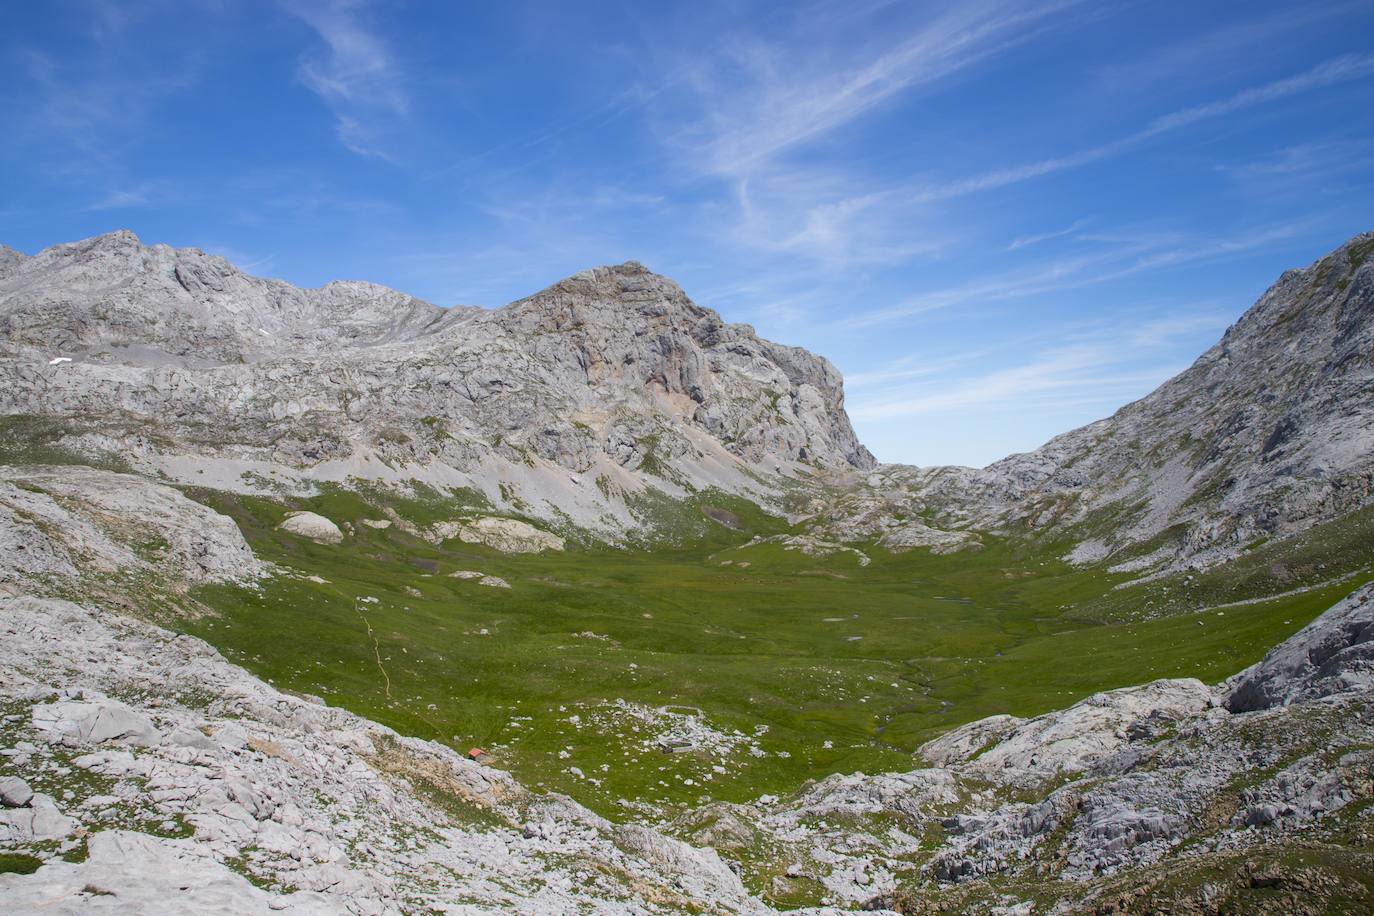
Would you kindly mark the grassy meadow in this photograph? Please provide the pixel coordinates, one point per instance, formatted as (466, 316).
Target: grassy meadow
(773, 667)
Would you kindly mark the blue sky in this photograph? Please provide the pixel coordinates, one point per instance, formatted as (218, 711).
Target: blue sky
(1000, 220)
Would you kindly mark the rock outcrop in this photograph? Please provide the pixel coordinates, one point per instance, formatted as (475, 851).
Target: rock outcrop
(1268, 433)
(1332, 654)
(312, 526)
(508, 535)
(132, 870)
(63, 520)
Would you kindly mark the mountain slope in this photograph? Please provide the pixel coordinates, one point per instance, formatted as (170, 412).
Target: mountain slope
(612, 377)
(569, 406)
(1268, 433)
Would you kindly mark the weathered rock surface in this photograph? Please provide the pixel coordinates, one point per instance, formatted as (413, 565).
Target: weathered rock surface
(1268, 433)
(1069, 740)
(137, 873)
(59, 520)
(93, 719)
(507, 535)
(313, 527)
(37, 821)
(14, 792)
(1333, 653)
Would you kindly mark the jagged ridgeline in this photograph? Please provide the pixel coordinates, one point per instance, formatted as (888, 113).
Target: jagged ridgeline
(564, 406)
(333, 600)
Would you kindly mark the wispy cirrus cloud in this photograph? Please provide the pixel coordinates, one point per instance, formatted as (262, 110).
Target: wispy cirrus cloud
(761, 99)
(1103, 363)
(1331, 170)
(137, 195)
(1025, 241)
(355, 73)
(1122, 255)
(253, 264)
(1228, 49)
(1301, 159)
(1346, 68)
(1342, 69)
(93, 110)
(1067, 370)
(840, 222)
(748, 110)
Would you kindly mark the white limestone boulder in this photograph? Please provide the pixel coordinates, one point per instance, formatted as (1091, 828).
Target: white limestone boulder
(313, 527)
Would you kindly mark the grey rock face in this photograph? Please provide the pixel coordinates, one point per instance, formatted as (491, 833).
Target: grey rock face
(37, 821)
(9, 259)
(94, 719)
(1333, 653)
(145, 874)
(1268, 433)
(507, 535)
(612, 373)
(14, 792)
(1070, 740)
(63, 520)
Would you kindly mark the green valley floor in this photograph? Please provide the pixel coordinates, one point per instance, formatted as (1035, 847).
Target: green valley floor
(646, 680)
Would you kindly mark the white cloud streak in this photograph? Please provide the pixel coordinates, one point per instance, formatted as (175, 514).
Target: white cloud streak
(1128, 256)
(828, 228)
(356, 76)
(1346, 68)
(785, 101)
(1102, 365)
(1026, 241)
(761, 103)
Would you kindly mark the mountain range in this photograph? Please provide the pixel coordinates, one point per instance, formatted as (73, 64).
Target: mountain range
(612, 382)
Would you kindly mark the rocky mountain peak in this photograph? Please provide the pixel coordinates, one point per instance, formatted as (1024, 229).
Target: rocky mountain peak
(611, 294)
(613, 372)
(628, 330)
(10, 259)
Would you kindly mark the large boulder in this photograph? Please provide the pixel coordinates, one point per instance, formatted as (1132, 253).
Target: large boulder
(39, 820)
(93, 720)
(312, 527)
(1331, 654)
(15, 792)
(508, 535)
